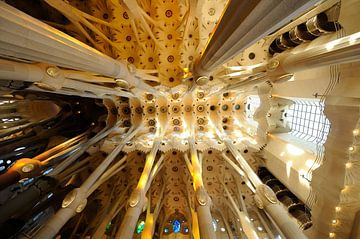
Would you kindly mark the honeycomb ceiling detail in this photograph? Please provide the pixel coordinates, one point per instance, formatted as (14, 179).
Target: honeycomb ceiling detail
(164, 38)
(161, 37)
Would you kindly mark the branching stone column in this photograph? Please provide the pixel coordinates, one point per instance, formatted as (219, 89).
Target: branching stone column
(51, 78)
(202, 199)
(24, 37)
(138, 199)
(192, 213)
(115, 208)
(246, 224)
(226, 223)
(76, 200)
(151, 217)
(266, 199)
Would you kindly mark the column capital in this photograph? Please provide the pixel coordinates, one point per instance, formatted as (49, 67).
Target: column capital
(76, 200)
(136, 197)
(202, 197)
(264, 196)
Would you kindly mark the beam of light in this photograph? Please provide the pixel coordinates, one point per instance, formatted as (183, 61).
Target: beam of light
(293, 150)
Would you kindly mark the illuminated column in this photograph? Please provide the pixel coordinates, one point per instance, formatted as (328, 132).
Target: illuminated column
(343, 50)
(242, 24)
(266, 199)
(246, 224)
(195, 224)
(30, 168)
(151, 217)
(138, 199)
(24, 37)
(76, 200)
(52, 78)
(147, 233)
(192, 213)
(202, 199)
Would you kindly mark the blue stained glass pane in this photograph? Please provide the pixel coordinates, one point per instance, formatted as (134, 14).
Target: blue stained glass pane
(176, 226)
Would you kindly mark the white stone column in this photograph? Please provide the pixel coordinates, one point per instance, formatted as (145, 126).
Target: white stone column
(202, 199)
(76, 200)
(138, 200)
(339, 51)
(242, 24)
(25, 37)
(266, 199)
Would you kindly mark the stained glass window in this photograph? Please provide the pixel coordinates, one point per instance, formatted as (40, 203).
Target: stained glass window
(176, 226)
(140, 227)
(108, 229)
(214, 225)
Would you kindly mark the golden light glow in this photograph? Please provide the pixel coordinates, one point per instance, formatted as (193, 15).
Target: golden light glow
(198, 183)
(195, 225)
(354, 37)
(187, 73)
(337, 209)
(145, 174)
(348, 165)
(148, 229)
(331, 235)
(356, 132)
(197, 178)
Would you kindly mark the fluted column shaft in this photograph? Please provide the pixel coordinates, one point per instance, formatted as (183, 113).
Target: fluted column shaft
(339, 51)
(266, 199)
(76, 200)
(202, 199)
(138, 199)
(149, 227)
(195, 224)
(242, 24)
(52, 78)
(25, 37)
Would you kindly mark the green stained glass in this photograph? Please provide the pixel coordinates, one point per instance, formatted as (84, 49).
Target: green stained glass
(108, 228)
(140, 227)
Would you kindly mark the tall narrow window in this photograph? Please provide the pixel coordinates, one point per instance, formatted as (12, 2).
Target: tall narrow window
(176, 226)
